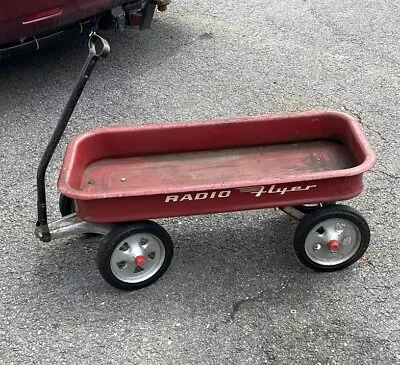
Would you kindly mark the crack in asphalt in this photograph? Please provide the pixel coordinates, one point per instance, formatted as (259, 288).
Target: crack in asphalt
(237, 305)
(392, 176)
(357, 115)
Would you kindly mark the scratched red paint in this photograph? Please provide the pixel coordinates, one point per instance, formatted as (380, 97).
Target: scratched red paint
(131, 173)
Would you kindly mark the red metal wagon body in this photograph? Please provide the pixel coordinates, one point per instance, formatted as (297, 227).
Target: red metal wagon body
(141, 172)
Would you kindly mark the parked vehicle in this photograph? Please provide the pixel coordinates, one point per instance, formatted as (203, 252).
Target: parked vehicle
(27, 25)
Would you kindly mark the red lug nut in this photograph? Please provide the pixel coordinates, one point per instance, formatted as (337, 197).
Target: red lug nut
(140, 261)
(334, 245)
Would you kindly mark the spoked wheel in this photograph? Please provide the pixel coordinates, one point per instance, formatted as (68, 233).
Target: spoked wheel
(66, 205)
(135, 255)
(331, 238)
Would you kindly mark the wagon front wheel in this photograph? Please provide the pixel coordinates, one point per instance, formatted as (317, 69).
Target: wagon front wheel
(331, 238)
(133, 256)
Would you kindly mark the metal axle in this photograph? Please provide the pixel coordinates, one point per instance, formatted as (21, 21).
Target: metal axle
(72, 225)
(293, 212)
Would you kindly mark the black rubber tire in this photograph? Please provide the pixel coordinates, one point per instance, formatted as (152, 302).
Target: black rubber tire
(328, 212)
(66, 205)
(120, 233)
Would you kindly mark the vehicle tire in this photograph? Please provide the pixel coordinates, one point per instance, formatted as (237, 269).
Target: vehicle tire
(66, 205)
(331, 238)
(133, 256)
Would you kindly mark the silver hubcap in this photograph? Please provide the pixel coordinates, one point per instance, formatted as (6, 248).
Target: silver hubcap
(137, 258)
(332, 242)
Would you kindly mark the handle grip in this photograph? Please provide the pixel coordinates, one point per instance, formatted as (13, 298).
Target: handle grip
(98, 46)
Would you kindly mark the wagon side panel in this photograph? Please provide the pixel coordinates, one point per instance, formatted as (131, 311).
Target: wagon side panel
(126, 208)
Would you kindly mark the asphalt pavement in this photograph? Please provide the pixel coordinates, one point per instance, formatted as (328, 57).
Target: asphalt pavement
(235, 292)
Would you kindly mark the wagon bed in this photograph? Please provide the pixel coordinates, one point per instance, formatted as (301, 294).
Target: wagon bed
(142, 175)
(310, 157)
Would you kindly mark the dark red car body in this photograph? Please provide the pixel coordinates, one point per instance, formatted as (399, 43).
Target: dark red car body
(26, 18)
(31, 21)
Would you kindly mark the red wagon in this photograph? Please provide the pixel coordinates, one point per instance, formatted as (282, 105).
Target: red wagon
(113, 180)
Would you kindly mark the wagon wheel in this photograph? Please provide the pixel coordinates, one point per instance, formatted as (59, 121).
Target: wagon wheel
(133, 256)
(331, 238)
(66, 205)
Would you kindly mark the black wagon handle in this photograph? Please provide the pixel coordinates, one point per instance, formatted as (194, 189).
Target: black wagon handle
(98, 48)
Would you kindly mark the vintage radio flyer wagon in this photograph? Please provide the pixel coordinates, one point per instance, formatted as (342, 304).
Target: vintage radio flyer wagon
(114, 180)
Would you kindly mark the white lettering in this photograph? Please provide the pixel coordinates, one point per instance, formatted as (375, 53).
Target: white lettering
(198, 196)
(171, 198)
(273, 189)
(283, 190)
(186, 197)
(224, 194)
(277, 191)
(201, 196)
(257, 191)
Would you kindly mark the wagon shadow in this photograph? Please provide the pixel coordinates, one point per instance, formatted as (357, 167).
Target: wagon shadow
(244, 249)
(247, 252)
(247, 259)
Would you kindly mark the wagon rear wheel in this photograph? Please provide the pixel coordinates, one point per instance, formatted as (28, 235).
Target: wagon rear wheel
(133, 256)
(331, 238)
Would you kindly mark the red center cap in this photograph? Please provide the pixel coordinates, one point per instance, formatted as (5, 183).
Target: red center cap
(334, 245)
(140, 261)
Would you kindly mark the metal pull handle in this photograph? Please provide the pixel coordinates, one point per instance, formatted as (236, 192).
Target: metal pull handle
(98, 47)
